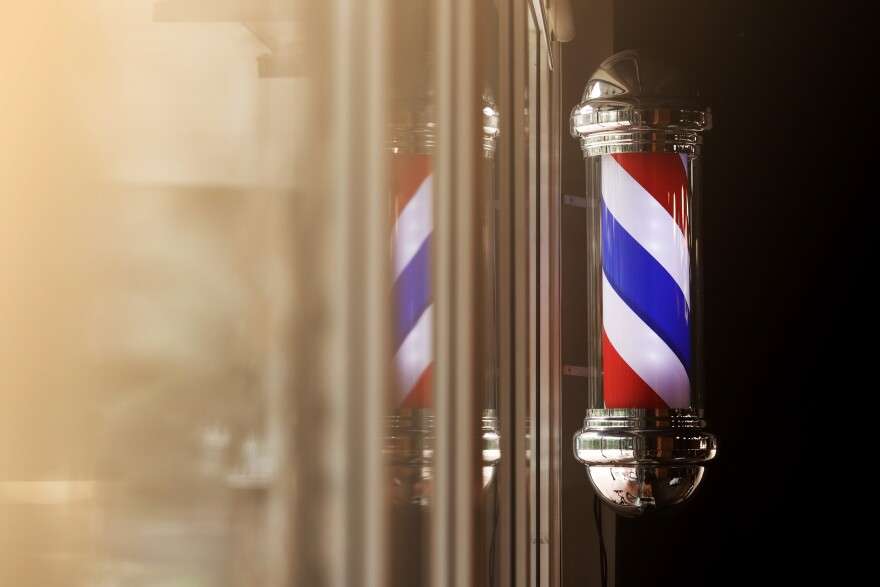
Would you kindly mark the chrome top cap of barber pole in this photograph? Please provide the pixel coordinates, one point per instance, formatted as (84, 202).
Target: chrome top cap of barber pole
(636, 102)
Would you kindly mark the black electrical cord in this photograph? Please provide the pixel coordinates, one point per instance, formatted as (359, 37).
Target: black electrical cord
(603, 555)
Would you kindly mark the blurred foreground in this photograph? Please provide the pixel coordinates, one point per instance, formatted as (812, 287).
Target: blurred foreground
(146, 176)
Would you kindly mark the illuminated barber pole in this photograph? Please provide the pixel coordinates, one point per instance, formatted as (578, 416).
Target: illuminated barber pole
(640, 126)
(413, 299)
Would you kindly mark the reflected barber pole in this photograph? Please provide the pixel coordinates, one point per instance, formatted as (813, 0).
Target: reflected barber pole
(413, 297)
(645, 281)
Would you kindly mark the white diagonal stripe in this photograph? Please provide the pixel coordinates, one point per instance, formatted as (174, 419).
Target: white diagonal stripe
(413, 226)
(415, 354)
(684, 163)
(647, 221)
(643, 350)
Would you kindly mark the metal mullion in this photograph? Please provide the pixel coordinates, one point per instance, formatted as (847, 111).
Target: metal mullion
(458, 487)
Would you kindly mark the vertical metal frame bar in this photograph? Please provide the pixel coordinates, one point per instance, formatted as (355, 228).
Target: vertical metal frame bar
(342, 367)
(532, 196)
(554, 200)
(455, 530)
(369, 498)
(545, 380)
(367, 379)
(515, 299)
(549, 388)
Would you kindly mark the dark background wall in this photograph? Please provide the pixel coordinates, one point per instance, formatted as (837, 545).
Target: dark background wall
(788, 274)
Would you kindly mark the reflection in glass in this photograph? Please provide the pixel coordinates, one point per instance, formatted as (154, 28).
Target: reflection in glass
(488, 50)
(410, 437)
(410, 434)
(490, 438)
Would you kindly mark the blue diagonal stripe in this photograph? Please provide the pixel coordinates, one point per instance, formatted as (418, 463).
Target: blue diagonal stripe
(646, 287)
(412, 291)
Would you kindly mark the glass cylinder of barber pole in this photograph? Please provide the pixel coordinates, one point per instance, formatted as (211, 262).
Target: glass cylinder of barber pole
(644, 440)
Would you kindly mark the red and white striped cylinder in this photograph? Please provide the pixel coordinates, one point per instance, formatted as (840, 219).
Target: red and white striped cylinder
(644, 228)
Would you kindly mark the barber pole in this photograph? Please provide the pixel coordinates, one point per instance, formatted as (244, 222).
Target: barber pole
(644, 440)
(413, 297)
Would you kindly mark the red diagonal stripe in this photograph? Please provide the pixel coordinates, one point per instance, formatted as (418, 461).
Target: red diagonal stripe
(623, 386)
(663, 176)
(409, 173)
(420, 395)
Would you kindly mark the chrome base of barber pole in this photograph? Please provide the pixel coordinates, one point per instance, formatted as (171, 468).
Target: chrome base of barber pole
(644, 460)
